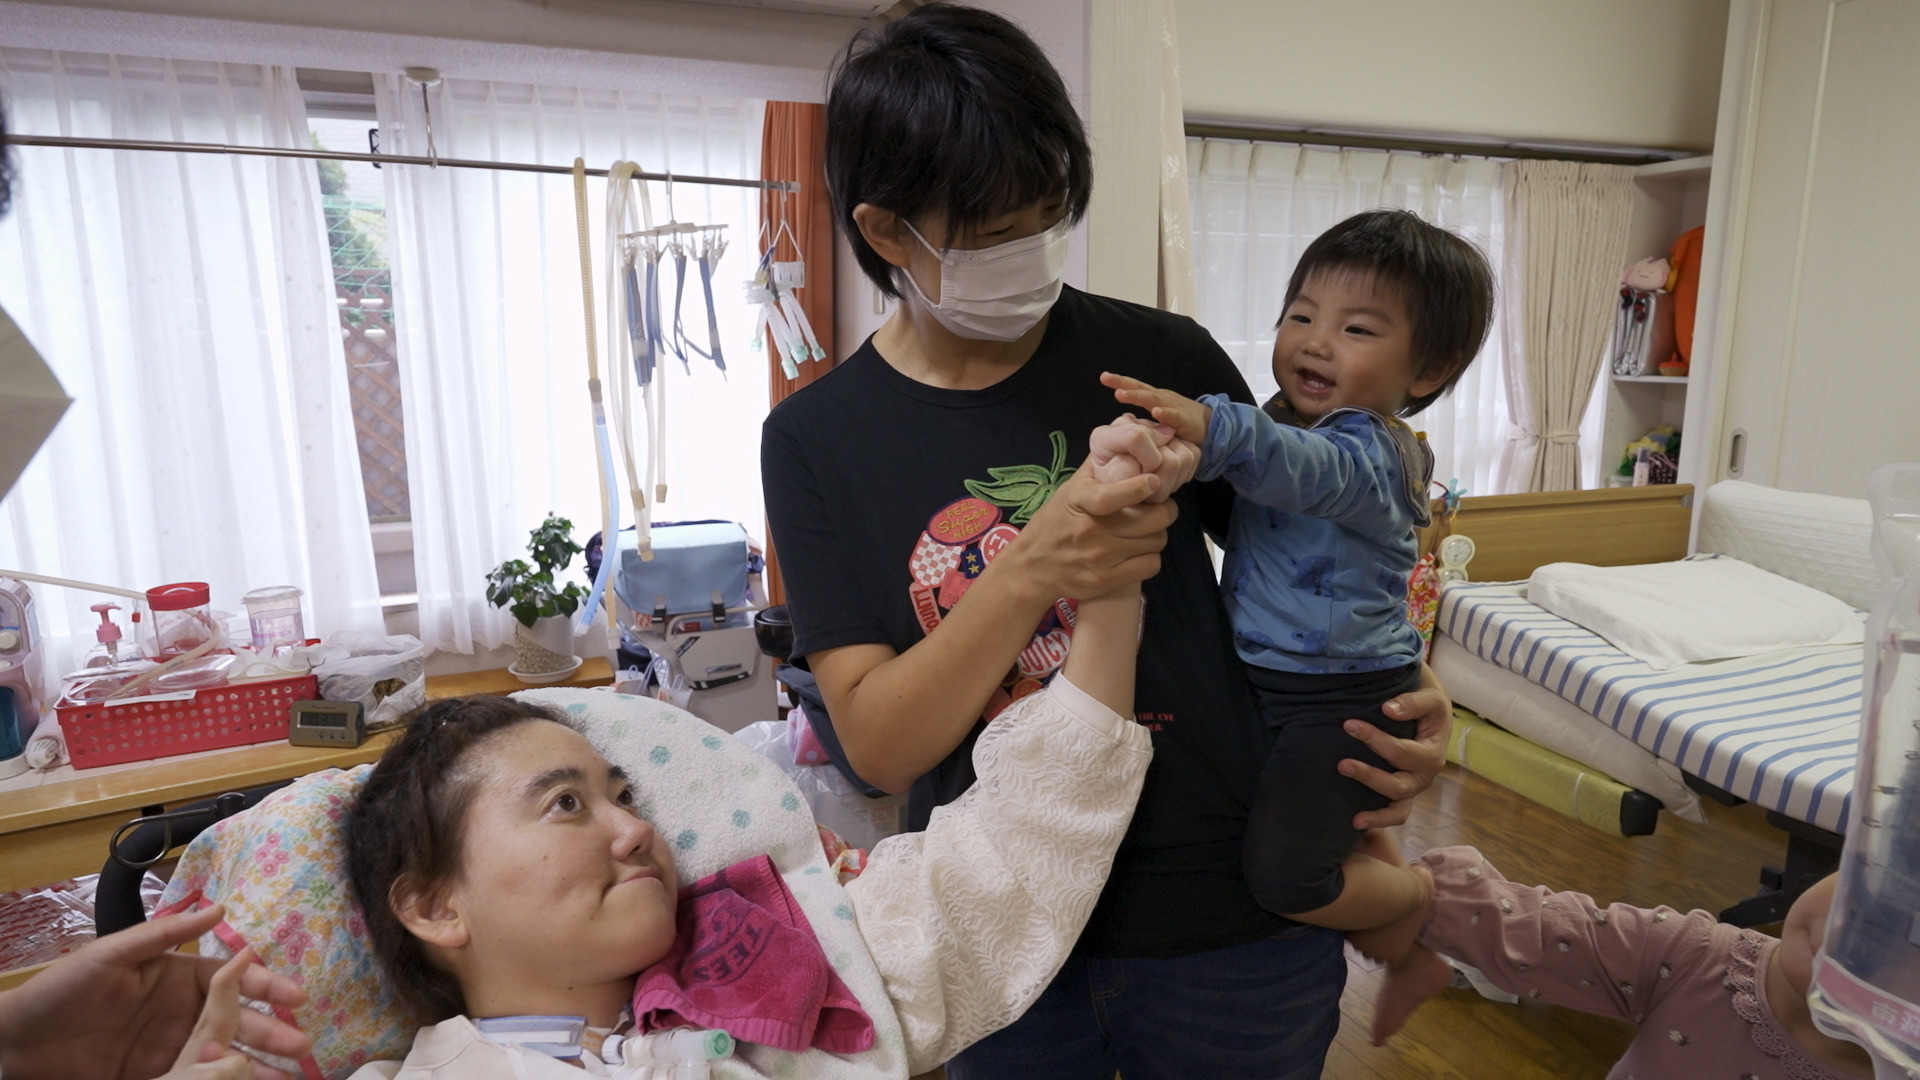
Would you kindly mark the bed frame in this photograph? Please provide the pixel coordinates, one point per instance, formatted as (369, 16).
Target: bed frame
(1516, 534)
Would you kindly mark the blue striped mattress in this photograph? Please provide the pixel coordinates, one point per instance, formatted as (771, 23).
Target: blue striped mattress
(1779, 730)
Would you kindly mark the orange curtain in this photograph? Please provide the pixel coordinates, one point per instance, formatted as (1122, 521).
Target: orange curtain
(793, 146)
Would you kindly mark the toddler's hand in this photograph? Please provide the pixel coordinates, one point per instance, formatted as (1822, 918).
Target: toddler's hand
(1187, 417)
(209, 1053)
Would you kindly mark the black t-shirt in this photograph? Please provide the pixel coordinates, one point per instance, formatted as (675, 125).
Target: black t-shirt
(885, 496)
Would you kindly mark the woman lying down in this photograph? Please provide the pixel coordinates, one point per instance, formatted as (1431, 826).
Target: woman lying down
(520, 901)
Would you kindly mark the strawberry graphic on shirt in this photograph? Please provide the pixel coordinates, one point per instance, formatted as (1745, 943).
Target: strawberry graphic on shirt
(965, 535)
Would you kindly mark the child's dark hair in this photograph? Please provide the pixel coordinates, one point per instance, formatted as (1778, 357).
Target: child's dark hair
(950, 110)
(1444, 281)
(407, 826)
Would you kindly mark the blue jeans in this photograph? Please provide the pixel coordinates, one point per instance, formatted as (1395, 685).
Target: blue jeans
(1265, 1011)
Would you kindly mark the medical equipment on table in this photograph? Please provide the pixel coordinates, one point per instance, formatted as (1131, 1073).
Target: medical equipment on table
(685, 617)
(1866, 980)
(273, 617)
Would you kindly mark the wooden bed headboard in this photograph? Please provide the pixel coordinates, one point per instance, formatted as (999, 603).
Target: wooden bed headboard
(1513, 535)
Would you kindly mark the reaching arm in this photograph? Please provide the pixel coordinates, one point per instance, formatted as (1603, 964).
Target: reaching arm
(971, 919)
(899, 714)
(1346, 471)
(1561, 947)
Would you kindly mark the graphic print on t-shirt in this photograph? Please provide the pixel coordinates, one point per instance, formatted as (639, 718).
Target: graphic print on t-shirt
(960, 540)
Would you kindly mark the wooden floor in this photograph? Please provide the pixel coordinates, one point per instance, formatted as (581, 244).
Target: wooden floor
(1461, 1035)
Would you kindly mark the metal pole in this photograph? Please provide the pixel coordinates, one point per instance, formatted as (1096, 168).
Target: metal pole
(377, 159)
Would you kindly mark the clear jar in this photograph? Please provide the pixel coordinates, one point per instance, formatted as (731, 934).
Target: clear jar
(182, 617)
(273, 617)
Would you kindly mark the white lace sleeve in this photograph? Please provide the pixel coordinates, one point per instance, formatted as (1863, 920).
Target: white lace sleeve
(971, 919)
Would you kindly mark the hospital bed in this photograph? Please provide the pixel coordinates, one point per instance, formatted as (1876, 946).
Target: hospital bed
(1778, 729)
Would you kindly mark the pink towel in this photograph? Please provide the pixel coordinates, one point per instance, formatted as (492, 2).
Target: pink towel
(746, 961)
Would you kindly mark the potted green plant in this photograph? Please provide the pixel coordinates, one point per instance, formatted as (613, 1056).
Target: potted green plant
(542, 610)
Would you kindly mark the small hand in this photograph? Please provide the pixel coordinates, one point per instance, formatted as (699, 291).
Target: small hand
(120, 1008)
(1187, 417)
(1088, 539)
(1130, 446)
(1418, 760)
(208, 1053)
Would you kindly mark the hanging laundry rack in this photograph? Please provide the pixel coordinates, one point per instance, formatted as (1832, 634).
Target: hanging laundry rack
(14, 139)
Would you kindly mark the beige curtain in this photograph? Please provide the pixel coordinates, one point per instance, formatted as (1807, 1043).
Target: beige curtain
(1567, 240)
(1176, 212)
(793, 146)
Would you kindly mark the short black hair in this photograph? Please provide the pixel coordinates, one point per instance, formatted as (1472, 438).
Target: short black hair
(953, 110)
(1444, 281)
(409, 824)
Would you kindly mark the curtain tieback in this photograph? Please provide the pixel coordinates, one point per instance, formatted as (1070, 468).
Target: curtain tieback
(1561, 436)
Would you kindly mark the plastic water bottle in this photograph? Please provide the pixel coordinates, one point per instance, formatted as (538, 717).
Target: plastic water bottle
(1866, 981)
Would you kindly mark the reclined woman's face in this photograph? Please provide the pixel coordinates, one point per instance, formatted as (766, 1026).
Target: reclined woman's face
(560, 879)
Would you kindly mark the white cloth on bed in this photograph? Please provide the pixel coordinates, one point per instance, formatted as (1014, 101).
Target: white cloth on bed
(1705, 608)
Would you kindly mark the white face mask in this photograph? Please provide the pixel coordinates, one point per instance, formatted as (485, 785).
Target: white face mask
(996, 293)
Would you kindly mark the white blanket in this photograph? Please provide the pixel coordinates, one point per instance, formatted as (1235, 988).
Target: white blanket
(1703, 608)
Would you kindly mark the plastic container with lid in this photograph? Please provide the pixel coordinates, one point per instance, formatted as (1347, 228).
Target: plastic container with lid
(182, 617)
(273, 617)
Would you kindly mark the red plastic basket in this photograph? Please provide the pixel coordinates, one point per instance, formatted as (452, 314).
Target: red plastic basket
(238, 715)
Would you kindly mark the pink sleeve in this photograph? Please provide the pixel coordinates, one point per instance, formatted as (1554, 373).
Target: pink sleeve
(1560, 947)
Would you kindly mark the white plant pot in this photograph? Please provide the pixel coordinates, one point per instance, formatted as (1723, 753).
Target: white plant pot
(544, 651)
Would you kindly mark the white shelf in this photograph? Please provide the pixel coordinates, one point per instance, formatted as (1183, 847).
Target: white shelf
(1669, 380)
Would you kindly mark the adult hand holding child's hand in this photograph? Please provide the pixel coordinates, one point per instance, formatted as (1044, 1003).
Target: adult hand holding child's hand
(1090, 537)
(1130, 446)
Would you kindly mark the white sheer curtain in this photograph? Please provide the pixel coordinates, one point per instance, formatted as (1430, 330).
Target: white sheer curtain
(1256, 207)
(186, 303)
(486, 275)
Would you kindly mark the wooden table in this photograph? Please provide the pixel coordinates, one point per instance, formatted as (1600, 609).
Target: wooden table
(60, 829)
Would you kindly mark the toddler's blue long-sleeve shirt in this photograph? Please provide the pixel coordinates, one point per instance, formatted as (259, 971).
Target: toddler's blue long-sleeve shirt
(1322, 539)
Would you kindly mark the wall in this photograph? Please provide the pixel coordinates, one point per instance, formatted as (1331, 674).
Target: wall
(1626, 72)
(1817, 335)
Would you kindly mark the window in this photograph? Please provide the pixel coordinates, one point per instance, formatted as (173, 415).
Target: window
(1257, 205)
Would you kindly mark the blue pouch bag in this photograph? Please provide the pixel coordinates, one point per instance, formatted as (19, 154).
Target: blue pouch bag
(697, 566)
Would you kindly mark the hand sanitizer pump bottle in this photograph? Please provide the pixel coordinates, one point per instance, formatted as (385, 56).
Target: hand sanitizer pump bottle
(1866, 981)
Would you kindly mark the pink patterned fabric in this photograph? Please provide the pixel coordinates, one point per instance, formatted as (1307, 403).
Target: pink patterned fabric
(280, 869)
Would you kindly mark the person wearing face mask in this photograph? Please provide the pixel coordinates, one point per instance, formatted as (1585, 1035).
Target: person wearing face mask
(936, 526)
